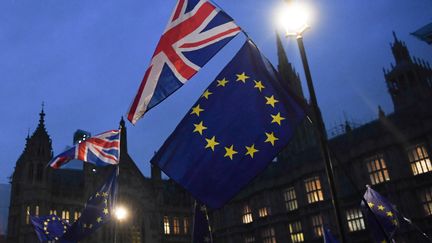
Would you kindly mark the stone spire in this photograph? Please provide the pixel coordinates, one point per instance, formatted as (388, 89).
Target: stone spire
(400, 50)
(290, 78)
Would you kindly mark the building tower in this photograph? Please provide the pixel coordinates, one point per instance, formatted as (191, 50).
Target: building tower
(29, 184)
(409, 81)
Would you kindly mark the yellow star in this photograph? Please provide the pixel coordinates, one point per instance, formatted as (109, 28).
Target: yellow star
(371, 205)
(99, 219)
(206, 94)
(251, 150)
(271, 138)
(381, 207)
(97, 194)
(271, 101)
(395, 222)
(196, 110)
(229, 152)
(106, 211)
(390, 214)
(211, 143)
(277, 118)
(259, 85)
(221, 82)
(199, 128)
(242, 77)
(105, 194)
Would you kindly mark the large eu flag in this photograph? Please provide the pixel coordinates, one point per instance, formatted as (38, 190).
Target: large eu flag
(238, 125)
(97, 212)
(49, 227)
(382, 217)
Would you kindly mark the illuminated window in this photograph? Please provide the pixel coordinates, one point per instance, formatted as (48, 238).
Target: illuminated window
(176, 226)
(295, 231)
(247, 215)
(27, 218)
(166, 225)
(53, 211)
(37, 210)
(419, 159)
(290, 199)
(426, 198)
(65, 215)
(76, 215)
(249, 239)
(317, 224)
(377, 169)
(185, 225)
(355, 220)
(314, 190)
(268, 235)
(264, 212)
(135, 234)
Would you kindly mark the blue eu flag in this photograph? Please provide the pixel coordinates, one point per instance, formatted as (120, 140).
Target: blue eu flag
(201, 229)
(238, 125)
(97, 212)
(382, 217)
(49, 228)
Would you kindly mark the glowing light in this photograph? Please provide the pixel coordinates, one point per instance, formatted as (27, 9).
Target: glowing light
(121, 213)
(293, 18)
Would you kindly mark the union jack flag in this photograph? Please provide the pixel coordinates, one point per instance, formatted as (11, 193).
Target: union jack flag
(101, 150)
(196, 31)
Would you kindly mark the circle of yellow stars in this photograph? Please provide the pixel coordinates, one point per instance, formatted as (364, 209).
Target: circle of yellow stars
(231, 151)
(46, 223)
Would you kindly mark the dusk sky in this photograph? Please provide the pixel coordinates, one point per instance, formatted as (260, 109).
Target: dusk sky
(85, 59)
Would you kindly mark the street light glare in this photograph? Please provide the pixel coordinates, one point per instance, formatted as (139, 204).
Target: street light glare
(121, 213)
(293, 18)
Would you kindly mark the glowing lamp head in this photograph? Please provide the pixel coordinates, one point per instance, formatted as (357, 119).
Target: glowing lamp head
(293, 18)
(121, 213)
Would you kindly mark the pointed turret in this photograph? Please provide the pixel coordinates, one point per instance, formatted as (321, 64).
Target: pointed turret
(409, 81)
(290, 77)
(400, 51)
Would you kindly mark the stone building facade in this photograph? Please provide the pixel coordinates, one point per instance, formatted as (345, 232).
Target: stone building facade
(290, 201)
(158, 209)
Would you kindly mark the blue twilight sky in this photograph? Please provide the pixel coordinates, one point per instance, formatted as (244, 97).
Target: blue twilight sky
(85, 59)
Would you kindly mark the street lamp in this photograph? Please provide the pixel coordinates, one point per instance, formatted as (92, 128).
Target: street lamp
(294, 20)
(120, 213)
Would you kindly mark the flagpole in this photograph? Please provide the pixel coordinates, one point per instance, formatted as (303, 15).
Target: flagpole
(209, 227)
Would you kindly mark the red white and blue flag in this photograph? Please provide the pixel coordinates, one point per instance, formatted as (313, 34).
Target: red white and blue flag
(196, 31)
(101, 150)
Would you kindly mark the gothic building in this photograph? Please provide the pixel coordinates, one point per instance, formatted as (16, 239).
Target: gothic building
(290, 201)
(158, 210)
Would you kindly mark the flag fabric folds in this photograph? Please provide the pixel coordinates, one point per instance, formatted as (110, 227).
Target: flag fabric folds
(98, 210)
(49, 228)
(201, 230)
(101, 150)
(424, 33)
(238, 125)
(382, 216)
(196, 31)
(328, 236)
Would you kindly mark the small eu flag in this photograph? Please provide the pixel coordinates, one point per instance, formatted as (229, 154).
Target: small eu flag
(328, 237)
(201, 229)
(49, 228)
(238, 125)
(382, 217)
(97, 211)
